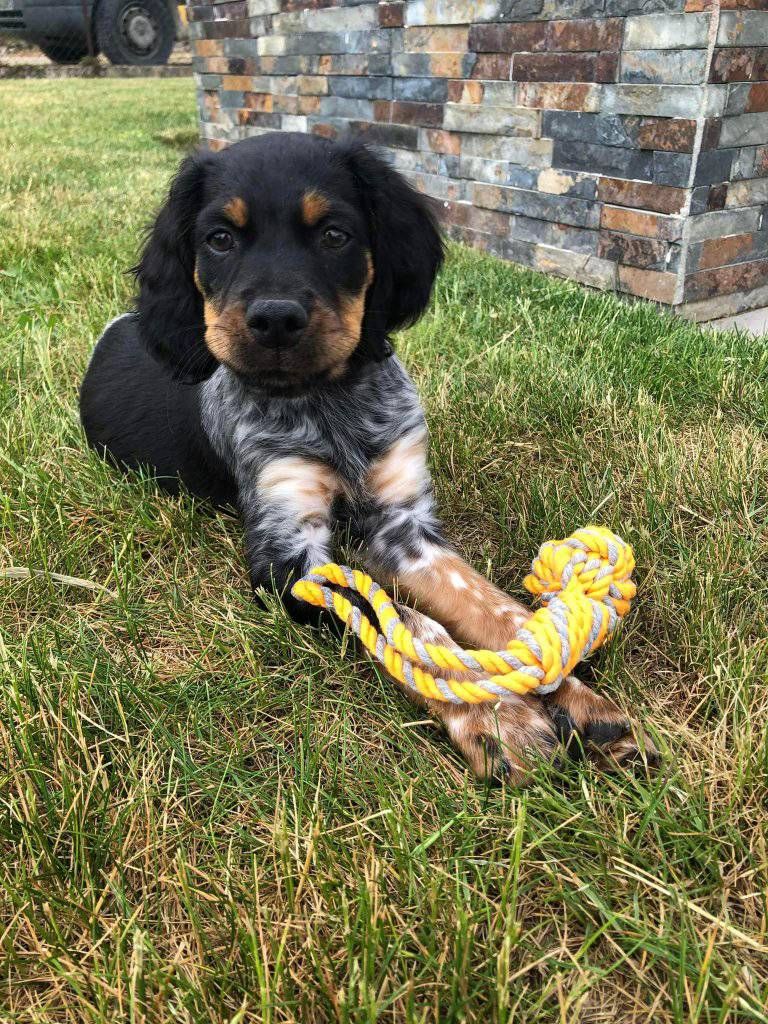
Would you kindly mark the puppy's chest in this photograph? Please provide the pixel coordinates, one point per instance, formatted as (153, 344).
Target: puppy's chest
(346, 431)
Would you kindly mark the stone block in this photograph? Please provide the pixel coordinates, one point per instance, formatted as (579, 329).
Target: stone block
(440, 65)
(560, 95)
(744, 130)
(739, 28)
(714, 166)
(530, 152)
(607, 67)
(666, 32)
(554, 67)
(425, 115)
(747, 98)
(520, 121)
(720, 223)
(667, 134)
(464, 12)
(314, 85)
(648, 284)
(360, 87)
(661, 100)
(466, 92)
(436, 140)
(464, 214)
(412, 161)
(626, 8)
(421, 90)
(639, 222)
(437, 39)
(503, 94)
(262, 101)
(327, 19)
(566, 183)
(445, 189)
(744, 163)
(341, 106)
(737, 277)
(741, 64)
(641, 195)
(498, 172)
(588, 270)
(561, 209)
(672, 168)
(649, 253)
(747, 193)
(308, 43)
(492, 66)
(518, 37)
(585, 34)
(258, 8)
(612, 160)
(391, 15)
(677, 67)
(720, 252)
(725, 305)
(546, 232)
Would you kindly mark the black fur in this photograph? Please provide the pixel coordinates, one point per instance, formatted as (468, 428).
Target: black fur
(407, 249)
(169, 306)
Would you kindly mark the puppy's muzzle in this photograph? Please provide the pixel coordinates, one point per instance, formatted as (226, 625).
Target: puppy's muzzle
(277, 323)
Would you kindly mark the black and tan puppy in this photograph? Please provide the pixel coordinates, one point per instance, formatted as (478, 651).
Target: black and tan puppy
(257, 369)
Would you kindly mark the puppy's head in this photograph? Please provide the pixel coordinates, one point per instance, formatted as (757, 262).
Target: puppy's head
(287, 258)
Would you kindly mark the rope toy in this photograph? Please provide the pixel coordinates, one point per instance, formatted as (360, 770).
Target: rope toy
(585, 587)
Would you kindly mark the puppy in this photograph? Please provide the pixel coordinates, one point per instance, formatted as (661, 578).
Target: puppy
(257, 370)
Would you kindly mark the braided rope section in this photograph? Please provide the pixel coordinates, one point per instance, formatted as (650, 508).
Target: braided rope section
(583, 582)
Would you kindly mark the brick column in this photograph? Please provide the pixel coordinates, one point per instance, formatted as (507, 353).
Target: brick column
(621, 143)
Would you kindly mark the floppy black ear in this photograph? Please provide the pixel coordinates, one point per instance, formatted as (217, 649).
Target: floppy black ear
(407, 249)
(169, 305)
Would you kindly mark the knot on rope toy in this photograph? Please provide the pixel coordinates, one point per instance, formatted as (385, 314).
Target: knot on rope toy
(583, 582)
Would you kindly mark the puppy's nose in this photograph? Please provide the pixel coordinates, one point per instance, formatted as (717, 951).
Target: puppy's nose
(276, 323)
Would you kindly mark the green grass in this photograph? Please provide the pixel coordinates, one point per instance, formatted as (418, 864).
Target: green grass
(209, 814)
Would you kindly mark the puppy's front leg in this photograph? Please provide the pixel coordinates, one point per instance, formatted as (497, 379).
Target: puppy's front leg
(406, 543)
(287, 516)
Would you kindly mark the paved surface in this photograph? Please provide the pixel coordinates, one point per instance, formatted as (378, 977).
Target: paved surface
(755, 321)
(19, 59)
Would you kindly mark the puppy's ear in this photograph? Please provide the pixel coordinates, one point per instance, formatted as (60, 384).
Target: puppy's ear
(169, 305)
(407, 249)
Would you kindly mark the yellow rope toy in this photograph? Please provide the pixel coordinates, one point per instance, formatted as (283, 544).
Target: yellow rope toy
(583, 582)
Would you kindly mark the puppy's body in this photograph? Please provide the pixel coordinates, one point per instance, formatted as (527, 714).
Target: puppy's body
(257, 370)
(133, 410)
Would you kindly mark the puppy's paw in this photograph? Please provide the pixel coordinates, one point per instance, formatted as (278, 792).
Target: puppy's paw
(508, 740)
(590, 723)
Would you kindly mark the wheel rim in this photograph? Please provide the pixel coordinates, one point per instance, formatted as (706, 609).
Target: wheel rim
(139, 30)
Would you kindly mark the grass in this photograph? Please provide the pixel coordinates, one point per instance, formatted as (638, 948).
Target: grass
(209, 814)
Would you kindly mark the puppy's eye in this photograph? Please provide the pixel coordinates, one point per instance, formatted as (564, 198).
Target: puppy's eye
(220, 241)
(334, 238)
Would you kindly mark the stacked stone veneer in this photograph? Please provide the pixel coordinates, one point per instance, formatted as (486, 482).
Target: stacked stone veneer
(623, 143)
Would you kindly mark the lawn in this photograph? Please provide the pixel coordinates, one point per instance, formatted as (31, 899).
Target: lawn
(209, 814)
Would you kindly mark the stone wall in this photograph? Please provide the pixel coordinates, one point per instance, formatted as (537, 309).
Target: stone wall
(622, 143)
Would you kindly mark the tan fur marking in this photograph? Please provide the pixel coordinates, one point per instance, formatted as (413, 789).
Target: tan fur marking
(340, 331)
(400, 474)
(465, 602)
(236, 210)
(222, 329)
(305, 486)
(314, 206)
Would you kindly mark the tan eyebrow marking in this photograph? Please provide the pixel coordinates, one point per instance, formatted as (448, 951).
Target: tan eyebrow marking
(237, 211)
(314, 206)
